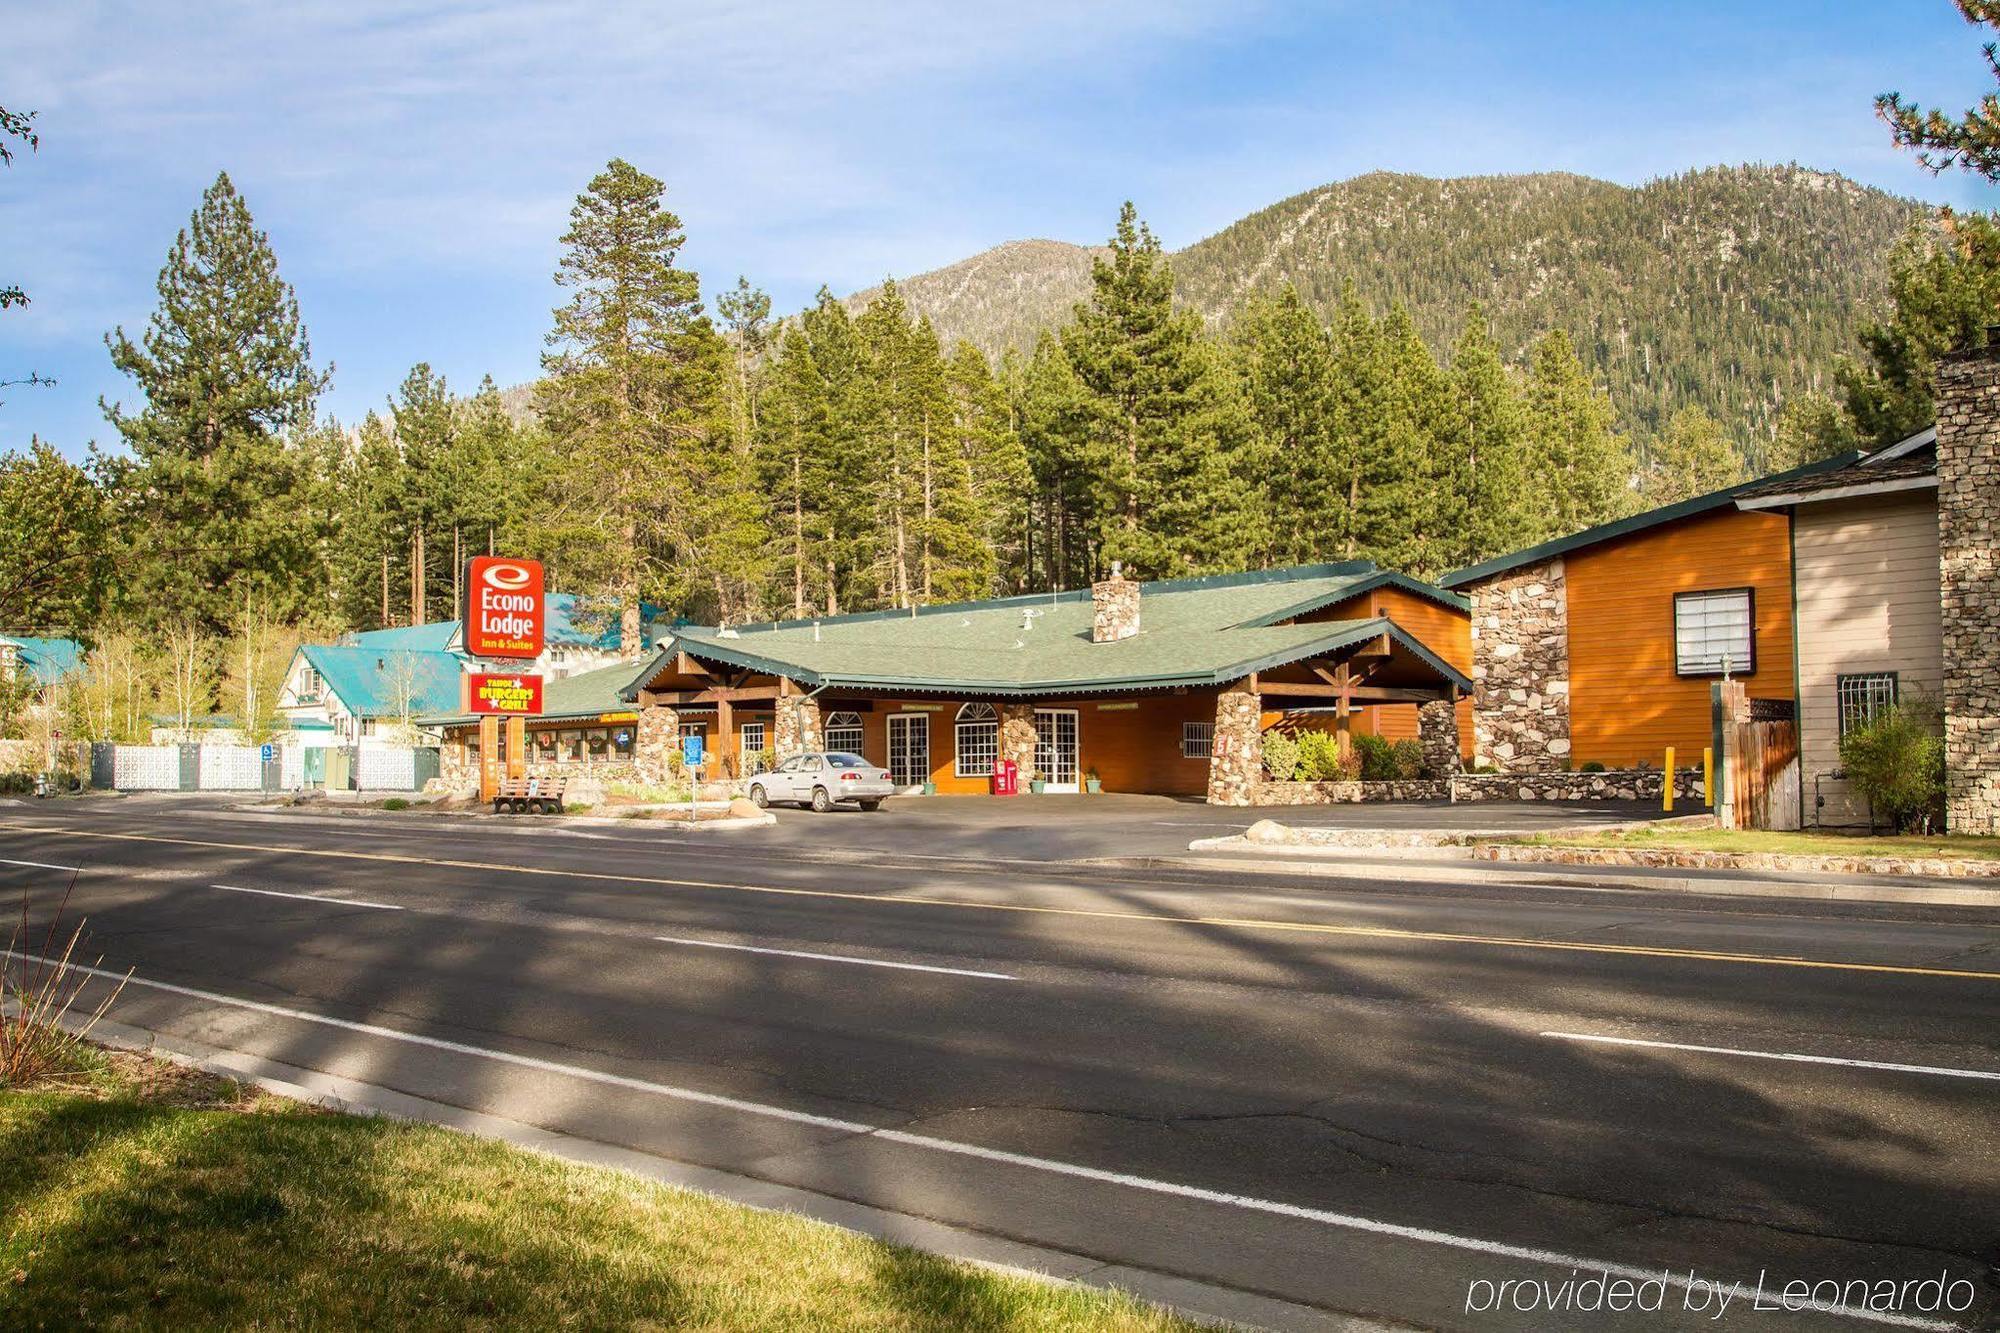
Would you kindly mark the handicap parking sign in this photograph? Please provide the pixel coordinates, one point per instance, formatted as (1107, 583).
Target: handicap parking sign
(691, 750)
(270, 752)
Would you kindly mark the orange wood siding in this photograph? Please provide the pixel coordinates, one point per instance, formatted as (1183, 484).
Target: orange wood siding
(1626, 702)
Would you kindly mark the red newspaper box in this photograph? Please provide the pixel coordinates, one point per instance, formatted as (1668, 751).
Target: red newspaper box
(1006, 778)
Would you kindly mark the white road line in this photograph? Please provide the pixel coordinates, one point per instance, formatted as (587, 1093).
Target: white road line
(309, 897)
(1776, 1055)
(1423, 1235)
(837, 958)
(39, 865)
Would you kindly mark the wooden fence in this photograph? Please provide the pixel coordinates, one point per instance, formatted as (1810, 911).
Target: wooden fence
(1757, 754)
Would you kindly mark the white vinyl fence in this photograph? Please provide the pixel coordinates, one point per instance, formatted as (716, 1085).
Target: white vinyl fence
(147, 768)
(386, 768)
(232, 768)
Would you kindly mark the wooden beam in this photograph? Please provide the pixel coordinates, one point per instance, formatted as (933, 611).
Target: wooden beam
(1370, 694)
(725, 726)
(715, 694)
(1343, 709)
(1379, 646)
(687, 666)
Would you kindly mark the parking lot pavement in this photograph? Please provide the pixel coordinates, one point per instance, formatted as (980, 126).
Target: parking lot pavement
(1064, 828)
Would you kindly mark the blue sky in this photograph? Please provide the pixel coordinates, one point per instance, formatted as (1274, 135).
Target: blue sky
(414, 167)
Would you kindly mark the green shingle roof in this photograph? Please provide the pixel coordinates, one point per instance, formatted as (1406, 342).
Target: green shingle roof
(434, 637)
(1624, 527)
(368, 681)
(1192, 632)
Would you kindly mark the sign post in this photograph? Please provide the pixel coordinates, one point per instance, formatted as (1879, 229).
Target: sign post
(692, 758)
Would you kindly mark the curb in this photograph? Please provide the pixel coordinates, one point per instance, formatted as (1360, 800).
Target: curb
(482, 819)
(1472, 871)
(1196, 1299)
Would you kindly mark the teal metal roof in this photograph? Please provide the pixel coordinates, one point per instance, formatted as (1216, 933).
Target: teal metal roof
(1625, 527)
(368, 681)
(47, 660)
(436, 637)
(1192, 632)
(586, 694)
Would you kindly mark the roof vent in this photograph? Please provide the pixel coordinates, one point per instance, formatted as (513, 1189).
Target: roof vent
(815, 631)
(1114, 606)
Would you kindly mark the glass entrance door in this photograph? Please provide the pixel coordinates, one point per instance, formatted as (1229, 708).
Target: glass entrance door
(909, 749)
(1055, 749)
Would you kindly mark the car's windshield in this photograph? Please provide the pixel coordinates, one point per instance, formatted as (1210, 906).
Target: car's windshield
(846, 761)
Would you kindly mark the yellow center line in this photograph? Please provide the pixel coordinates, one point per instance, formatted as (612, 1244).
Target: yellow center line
(1241, 923)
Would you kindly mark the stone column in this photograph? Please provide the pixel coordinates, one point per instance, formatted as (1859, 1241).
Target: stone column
(1437, 730)
(1520, 666)
(1017, 736)
(655, 736)
(797, 726)
(1236, 750)
(1968, 450)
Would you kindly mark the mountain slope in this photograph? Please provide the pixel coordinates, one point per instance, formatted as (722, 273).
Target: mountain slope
(1730, 288)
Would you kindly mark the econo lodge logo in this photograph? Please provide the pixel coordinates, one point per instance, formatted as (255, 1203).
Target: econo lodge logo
(507, 608)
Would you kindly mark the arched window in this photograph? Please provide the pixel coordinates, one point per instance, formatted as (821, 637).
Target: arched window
(978, 731)
(843, 732)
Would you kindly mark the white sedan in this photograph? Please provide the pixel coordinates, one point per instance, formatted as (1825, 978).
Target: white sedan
(820, 780)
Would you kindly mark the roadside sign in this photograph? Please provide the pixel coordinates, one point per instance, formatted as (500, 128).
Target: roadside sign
(270, 752)
(691, 750)
(490, 693)
(508, 609)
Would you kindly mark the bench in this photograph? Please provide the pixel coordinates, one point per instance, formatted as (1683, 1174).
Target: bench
(533, 796)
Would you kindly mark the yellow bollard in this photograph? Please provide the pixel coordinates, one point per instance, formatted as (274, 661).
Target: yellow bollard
(1708, 776)
(1667, 783)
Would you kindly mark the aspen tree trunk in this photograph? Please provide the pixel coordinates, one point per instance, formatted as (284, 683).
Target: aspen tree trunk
(798, 543)
(385, 589)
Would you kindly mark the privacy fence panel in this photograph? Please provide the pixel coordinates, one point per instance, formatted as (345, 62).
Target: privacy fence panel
(232, 768)
(147, 768)
(394, 767)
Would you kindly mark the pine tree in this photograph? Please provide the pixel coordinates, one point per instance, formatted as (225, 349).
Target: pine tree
(1971, 141)
(1413, 512)
(1944, 286)
(1811, 427)
(211, 513)
(999, 484)
(1493, 440)
(1287, 363)
(1054, 423)
(633, 402)
(1692, 457)
(425, 425)
(1170, 441)
(1582, 469)
(809, 462)
(54, 522)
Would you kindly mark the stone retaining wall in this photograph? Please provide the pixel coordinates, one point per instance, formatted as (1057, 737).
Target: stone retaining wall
(1638, 784)
(1520, 667)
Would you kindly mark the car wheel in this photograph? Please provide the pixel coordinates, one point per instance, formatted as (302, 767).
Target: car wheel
(757, 796)
(821, 801)
(871, 805)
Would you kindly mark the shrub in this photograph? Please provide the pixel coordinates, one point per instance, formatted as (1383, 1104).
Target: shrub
(1594, 766)
(1407, 760)
(1377, 758)
(43, 1024)
(1281, 756)
(395, 803)
(1320, 761)
(1896, 761)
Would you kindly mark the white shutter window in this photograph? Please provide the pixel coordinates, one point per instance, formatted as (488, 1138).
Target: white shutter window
(1715, 632)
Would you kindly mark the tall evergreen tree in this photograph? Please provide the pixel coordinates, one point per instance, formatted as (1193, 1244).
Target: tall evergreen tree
(632, 401)
(1971, 141)
(1054, 422)
(1810, 427)
(1944, 288)
(54, 522)
(1286, 359)
(211, 514)
(999, 484)
(1171, 442)
(1500, 513)
(1582, 468)
(810, 464)
(1693, 456)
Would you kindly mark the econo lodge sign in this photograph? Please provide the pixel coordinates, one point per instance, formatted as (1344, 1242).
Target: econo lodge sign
(507, 608)
(506, 696)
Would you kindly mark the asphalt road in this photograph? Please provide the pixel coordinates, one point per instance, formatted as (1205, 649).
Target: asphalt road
(1368, 1099)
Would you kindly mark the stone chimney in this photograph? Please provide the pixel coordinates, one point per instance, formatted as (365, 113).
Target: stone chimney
(1114, 607)
(1968, 453)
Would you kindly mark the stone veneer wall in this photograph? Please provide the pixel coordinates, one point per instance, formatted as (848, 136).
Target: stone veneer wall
(1437, 734)
(1017, 738)
(1968, 447)
(655, 738)
(798, 727)
(1520, 665)
(1236, 755)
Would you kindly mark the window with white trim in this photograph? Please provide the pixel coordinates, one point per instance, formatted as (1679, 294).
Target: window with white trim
(1197, 740)
(843, 731)
(1715, 632)
(1864, 697)
(753, 747)
(978, 736)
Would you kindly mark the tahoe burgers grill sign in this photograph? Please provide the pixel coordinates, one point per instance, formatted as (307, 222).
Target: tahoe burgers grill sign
(507, 608)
